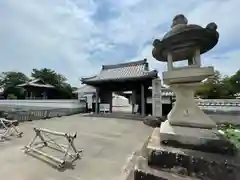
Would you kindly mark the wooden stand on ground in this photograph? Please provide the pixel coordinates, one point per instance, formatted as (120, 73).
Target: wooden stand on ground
(70, 153)
(9, 129)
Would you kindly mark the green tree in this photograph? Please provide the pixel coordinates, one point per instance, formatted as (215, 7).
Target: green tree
(63, 89)
(219, 87)
(49, 76)
(212, 88)
(227, 88)
(234, 82)
(74, 88)
(11, 96)
(10, 80)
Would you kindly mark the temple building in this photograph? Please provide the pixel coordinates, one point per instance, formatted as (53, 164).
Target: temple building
(37, 89)
(134, 79)
(132, 76)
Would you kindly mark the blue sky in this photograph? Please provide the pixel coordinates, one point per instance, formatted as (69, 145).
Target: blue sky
(75, 37)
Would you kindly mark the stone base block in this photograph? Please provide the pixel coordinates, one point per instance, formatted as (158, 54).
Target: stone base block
(190, 162)
(144, 172)
(208, 140)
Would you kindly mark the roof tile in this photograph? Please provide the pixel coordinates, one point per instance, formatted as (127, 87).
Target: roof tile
(36, 84)
(123, 71)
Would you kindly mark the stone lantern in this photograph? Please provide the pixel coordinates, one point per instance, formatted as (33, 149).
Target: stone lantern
(188, 145)
(186, 123)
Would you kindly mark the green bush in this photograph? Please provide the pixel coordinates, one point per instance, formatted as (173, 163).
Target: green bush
(11, 96)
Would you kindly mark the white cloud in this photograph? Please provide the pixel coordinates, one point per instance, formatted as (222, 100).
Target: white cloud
(146, 52)
(223, 12)
(227, 63)
(66, 35)
(145, 21)
(53, 35)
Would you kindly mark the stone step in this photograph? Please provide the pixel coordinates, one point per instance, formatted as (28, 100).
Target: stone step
(128, 169)
(144, 172)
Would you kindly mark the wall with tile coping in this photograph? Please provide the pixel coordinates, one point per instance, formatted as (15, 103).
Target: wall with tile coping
(40, 104)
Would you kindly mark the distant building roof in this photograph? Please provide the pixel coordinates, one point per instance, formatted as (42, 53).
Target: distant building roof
(165, 91)
(237, 95)
(124, 71)
(85, 89)
(36, 83)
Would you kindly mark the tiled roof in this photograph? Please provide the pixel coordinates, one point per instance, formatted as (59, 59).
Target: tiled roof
(131, 70)
(36, 84)
(218, 102)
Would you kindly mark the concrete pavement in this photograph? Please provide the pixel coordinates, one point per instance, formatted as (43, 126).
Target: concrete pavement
(107, 144)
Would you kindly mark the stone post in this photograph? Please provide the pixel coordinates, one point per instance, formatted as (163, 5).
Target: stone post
(143, 108)
(133, 100)
(156, 98)
(197, 57)
(96, 101)
(169, 62)
(110, 101)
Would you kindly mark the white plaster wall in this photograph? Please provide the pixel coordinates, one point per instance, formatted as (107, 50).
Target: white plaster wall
(40, 104)
(119, 101)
